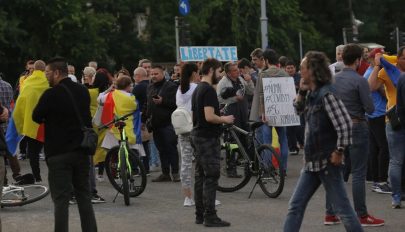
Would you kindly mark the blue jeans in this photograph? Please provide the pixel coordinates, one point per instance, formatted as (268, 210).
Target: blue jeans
(332, 180)
(265, 136)
(396, 146)
(154, 154)
(358, 157)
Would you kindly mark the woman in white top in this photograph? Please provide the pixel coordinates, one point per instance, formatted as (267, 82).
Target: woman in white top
(189, 74)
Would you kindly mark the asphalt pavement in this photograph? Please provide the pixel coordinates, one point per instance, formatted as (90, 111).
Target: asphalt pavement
(160, 208)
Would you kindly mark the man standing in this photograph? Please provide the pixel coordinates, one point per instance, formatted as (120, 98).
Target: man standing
(235, 104)
(257, 112)
(30, 92)
(3, 148)
(338, 65)
(395, 138)
(161, 104)
(205, 138)
(140, 93)
(355, 93)
(295, 134)
(68, 163)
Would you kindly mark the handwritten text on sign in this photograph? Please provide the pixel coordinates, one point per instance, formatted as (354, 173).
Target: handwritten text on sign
(202, 53)
(279, 94)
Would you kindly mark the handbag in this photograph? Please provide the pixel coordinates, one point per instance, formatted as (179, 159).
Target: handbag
(90, 137)
(393, 118)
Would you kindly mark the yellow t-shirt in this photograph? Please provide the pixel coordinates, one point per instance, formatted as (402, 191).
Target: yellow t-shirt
(390, 89)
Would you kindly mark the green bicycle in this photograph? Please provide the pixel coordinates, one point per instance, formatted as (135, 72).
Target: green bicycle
(124, 169)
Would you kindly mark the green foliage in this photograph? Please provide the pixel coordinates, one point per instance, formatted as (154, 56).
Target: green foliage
(105, 30)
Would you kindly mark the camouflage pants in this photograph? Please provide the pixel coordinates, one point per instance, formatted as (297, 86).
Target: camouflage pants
(207, 172)
(186, 152)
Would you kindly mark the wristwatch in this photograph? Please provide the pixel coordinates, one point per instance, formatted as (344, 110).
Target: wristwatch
(340, 149)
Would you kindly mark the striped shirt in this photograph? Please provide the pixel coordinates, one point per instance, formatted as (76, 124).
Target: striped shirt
(342, 123)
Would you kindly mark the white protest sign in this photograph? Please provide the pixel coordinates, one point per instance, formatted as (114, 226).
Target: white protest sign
(201, 53)
(279, 94)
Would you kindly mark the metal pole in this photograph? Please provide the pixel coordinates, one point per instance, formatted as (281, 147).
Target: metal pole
(300, 38)
(397, 35)
(176, 26)
(344, 36)
(263, 23)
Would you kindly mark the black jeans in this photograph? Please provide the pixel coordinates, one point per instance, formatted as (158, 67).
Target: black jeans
(207, 172)
(70, 172)
(379, 155)
(34, 147)
(145, 159)
(166, 143)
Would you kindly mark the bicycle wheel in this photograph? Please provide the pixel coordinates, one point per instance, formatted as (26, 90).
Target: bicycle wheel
(124, 174)
(234, 169)
(138, 179)
(19, 197)
(271, 173)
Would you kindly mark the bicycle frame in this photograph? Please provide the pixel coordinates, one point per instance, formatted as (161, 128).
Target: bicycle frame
(251, 138)
(124, 148)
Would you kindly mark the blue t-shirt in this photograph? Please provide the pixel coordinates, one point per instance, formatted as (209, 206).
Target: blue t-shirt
(380, 102)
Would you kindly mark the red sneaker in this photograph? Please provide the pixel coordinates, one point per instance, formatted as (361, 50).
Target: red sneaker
(368, 220)
(331, 220)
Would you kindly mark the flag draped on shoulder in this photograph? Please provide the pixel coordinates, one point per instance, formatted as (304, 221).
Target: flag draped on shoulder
(21, 123)
(118, 103)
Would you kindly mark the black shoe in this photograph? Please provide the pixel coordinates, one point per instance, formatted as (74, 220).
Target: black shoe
(176, 177)
(233, 175)
(215, 222)
(199, 220)
(162, 178)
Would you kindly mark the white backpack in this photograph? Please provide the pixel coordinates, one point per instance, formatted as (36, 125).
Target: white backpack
(182, 121)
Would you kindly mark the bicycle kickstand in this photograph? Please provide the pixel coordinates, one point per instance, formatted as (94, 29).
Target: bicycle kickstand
(254, 186)
(116, 195)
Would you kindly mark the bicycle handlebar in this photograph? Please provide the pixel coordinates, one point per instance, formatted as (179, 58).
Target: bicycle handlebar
(123, 118)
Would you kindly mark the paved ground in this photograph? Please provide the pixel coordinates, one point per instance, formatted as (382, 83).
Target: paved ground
(160, 208)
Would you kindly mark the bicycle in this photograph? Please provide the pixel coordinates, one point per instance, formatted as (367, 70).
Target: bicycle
(237, 168)
(124, 169)
(13, 195)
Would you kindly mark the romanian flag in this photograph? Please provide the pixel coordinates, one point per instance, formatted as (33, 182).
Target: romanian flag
(21, 123)
(118, 104)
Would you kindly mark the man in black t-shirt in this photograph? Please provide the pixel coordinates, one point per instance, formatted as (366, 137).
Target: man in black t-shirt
(205, 138)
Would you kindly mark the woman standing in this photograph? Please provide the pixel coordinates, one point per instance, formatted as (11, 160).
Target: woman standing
(189, 73)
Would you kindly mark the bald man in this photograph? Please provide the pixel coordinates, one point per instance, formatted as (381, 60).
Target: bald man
(140, 92)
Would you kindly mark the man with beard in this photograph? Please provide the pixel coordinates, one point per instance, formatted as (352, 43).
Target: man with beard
(161, 102)
(205, 139)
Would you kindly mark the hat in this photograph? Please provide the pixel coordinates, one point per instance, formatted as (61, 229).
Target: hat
(374, 52)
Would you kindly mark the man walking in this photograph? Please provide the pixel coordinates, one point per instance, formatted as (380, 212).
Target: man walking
(205, 139)
(68, 163)
(355, 94)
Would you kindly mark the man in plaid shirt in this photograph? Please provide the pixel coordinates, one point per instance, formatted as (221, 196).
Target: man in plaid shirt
(327, 134)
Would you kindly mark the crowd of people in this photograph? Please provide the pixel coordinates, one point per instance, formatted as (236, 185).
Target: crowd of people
(344, 128)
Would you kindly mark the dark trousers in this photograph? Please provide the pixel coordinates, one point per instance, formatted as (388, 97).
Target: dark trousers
(379, 155)
(34, 147)
(166, 143)
(207, 172)
(295, 134)
(23, 146)
(145, 159)
(70, 172)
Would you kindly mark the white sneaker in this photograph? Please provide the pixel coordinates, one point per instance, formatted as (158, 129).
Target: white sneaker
(188, 202)
(100, 178)
(217, 202)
